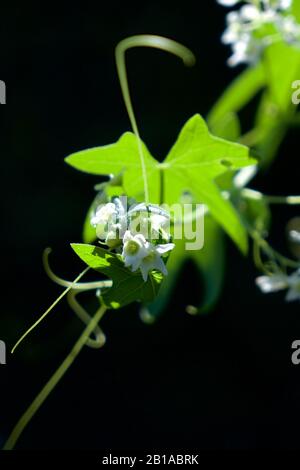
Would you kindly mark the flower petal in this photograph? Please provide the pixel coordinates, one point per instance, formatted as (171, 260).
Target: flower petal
(161, 249)
(273, 283)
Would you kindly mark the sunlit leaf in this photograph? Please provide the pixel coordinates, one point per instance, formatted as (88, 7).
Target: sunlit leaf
(127, 286)
(192, 165)
(121, 157)
(239, 93)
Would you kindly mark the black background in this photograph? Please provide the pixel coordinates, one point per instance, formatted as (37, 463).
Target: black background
(224, 380)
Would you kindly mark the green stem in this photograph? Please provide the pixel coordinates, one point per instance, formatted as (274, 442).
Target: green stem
(49, 309)
(157, 42)
(290, 200)
(51, 384)
(83, 315)
(271, 252)
(74, 286)
(258, 196)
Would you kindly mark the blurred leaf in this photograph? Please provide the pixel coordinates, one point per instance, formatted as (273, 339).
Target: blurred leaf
(228, 127)
(238, 94)
(270, 129)
(211, 263)
(282, 62)
(296, 9)
(89, 232)
(127, 287)
(276, 110)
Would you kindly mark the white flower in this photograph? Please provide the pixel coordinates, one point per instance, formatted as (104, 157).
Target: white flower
(250, 13)
(282, 4)
(274, 283)
(281, 281)
(138, 253)
(245, 27)
(155, 226)
(104, 217)
(110, 221)
(150, 220)
(267, 4)
(294, 236)
(134, 250)
(228, 3)
(294, 287)
(239, 34)
(245, 50)
(289, 29)
(153, 259)
(159, 222)
(104, 214)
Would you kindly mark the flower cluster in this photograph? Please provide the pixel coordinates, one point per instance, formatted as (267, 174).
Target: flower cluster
(139, 234)
(281, 281)
(110, 221)
(256, 25)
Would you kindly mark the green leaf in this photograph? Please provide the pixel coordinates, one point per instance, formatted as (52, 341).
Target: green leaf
(228, 127)
(121, 157)
(276, 111)
(193, 164)
(238, 94)
(282, 62)
(89, 232)
(270, 129)
(211, 263)
(127, 287)
(296, 9)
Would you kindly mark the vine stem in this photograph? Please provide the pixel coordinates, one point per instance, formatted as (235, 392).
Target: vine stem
(81, 286)
(51, 384)
(83, 315)
(49, 309)
(256, 195)
(156, 42)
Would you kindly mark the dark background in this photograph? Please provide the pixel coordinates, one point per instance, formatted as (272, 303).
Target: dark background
(224, 380)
